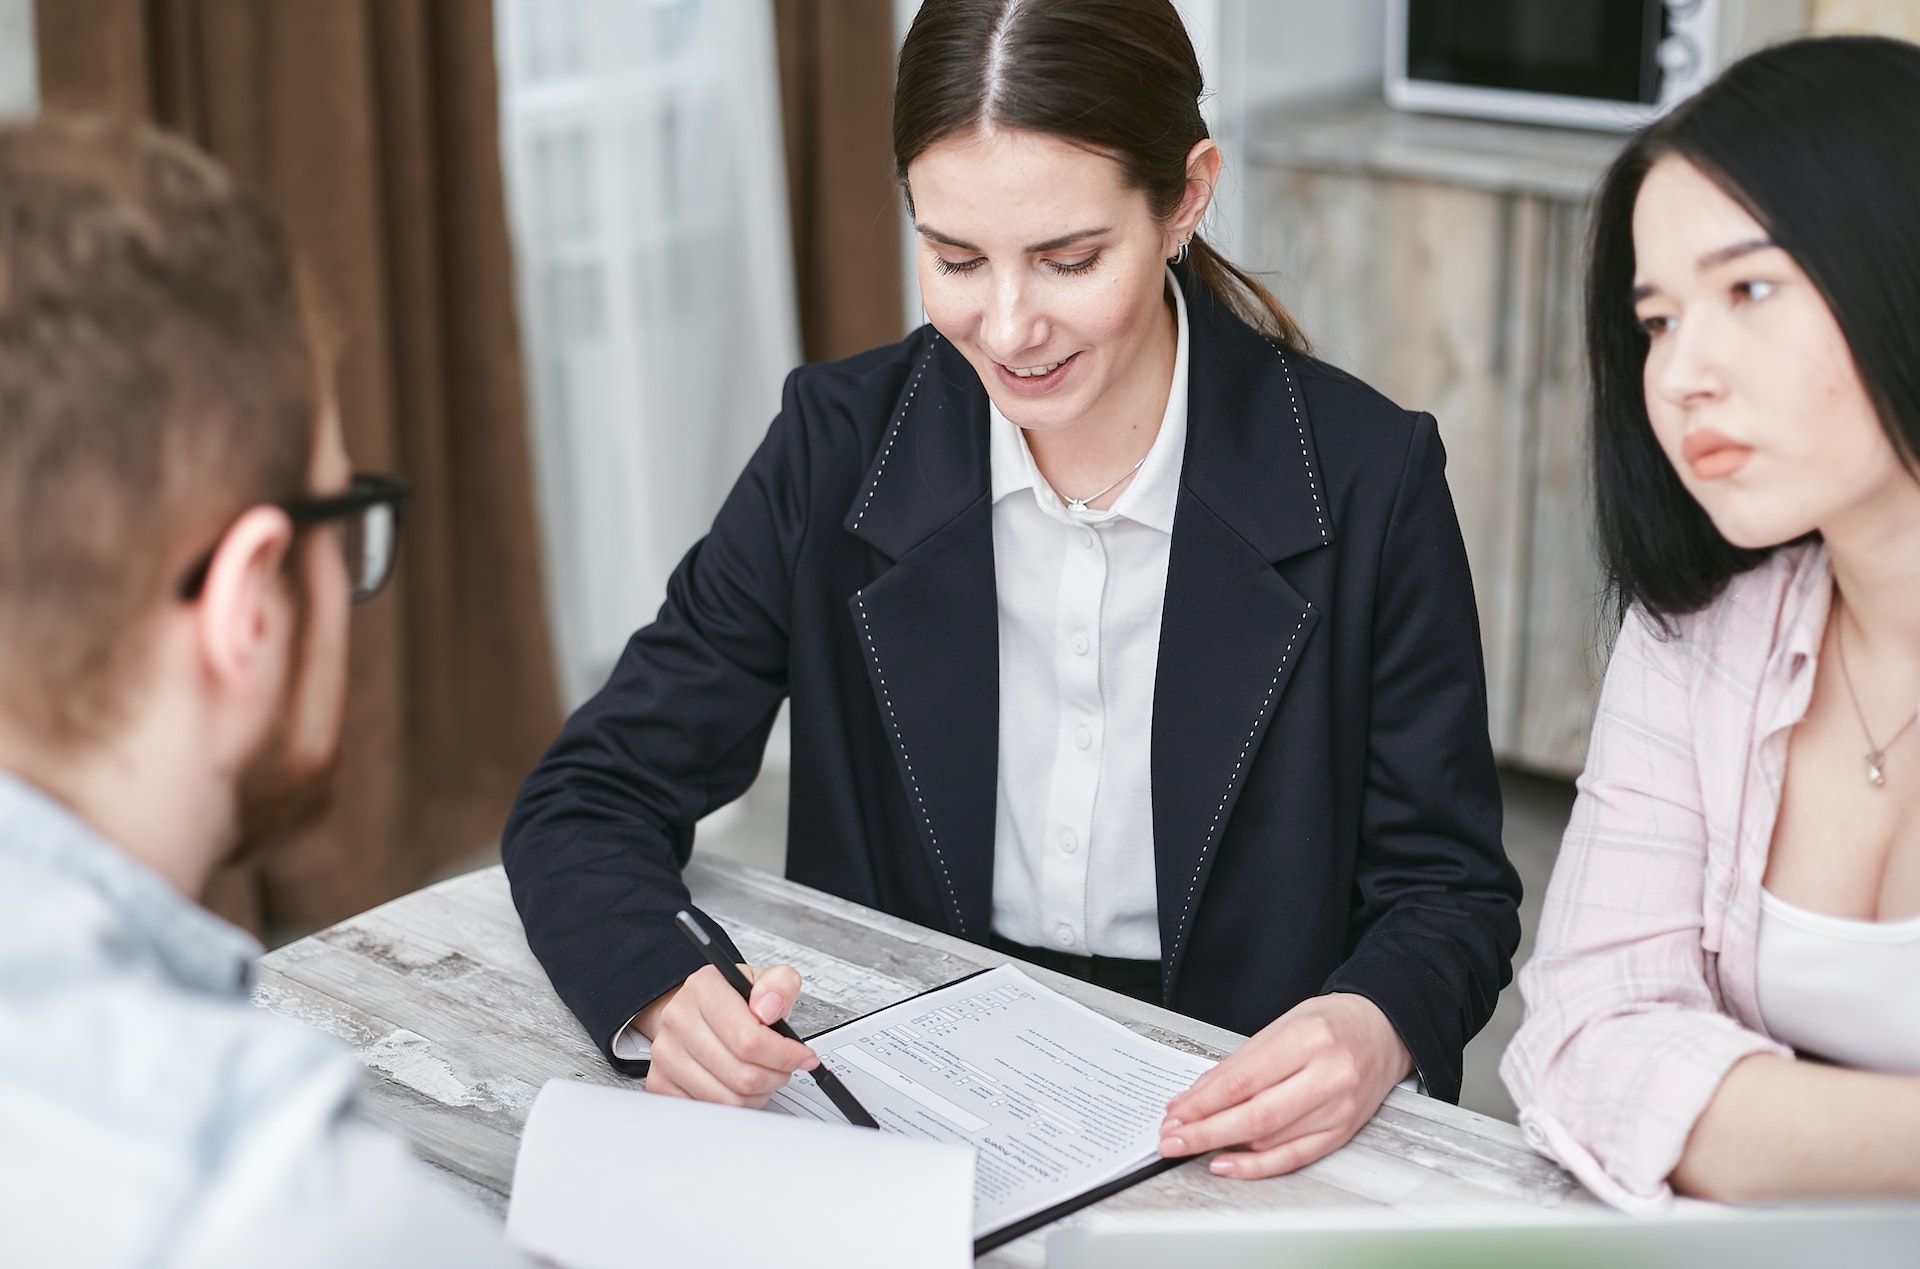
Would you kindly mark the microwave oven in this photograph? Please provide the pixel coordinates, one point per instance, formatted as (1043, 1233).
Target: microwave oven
(1616, 64)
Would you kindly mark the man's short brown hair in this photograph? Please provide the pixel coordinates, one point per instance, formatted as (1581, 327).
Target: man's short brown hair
(160, 371)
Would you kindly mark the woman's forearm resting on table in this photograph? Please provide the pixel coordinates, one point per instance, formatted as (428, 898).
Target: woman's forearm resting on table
(1779, 1128)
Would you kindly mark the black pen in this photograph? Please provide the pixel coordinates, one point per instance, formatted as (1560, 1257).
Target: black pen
(829, 1083)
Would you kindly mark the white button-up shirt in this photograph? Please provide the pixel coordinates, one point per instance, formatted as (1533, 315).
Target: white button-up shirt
(1080, 596)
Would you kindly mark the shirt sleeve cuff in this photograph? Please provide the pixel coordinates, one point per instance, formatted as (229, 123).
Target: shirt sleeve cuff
(629, 1045)
(1632, 1174)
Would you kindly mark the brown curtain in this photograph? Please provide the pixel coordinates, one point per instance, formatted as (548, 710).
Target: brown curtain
(836, 89)
(372, 125)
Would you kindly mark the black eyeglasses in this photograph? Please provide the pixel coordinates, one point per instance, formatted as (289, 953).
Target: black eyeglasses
(370, 511)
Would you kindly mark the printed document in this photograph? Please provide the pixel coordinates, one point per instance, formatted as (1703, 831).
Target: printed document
(1054, 1098)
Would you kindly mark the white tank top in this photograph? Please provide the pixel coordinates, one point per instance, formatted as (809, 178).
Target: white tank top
(1844, 990)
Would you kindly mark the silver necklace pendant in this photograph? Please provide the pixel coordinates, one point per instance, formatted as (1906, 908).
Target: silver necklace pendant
(1080, 504)
(1876, 758)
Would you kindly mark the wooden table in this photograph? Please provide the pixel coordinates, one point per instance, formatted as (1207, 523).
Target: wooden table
(440, 997)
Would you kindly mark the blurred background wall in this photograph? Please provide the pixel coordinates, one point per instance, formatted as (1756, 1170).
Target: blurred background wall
(1897, 18)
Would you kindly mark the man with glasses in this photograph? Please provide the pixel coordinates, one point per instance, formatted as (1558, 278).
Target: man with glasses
(180, 539)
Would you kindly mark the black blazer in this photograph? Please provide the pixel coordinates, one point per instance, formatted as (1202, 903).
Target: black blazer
(1326, 815)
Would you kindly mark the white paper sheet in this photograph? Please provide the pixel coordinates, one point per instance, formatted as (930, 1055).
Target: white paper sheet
(610, 1179)
(1055, 1098)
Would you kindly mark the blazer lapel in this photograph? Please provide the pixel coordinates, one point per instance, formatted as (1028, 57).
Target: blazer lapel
(1233, 630)
(928, 626)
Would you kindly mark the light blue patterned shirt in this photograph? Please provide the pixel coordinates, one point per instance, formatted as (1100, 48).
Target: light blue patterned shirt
(148, 1114)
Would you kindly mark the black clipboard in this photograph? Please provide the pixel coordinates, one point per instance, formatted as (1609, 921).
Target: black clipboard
(1066, 1207)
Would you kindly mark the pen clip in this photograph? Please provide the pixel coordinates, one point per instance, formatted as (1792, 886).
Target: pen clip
(694, 930)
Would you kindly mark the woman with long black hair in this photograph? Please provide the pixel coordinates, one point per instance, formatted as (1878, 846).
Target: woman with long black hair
(1119, 634)
(1741, 878)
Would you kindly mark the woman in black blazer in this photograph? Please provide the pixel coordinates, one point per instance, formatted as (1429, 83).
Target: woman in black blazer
(1325, 817)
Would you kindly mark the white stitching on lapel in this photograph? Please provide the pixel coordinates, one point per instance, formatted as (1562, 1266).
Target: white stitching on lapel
(1213, 829)
(1300, 427)
(893, 431)
(913, 781)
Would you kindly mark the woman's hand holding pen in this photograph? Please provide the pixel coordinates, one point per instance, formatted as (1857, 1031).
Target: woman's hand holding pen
(712, 1046)
(1297, 1090)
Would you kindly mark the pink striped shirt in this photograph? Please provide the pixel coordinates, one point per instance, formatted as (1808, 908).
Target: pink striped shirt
(1640, 994)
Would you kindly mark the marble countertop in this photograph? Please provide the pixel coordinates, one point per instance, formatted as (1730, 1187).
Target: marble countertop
(458, 1027)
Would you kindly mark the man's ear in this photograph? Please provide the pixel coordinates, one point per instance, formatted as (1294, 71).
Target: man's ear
(1203, 177)
(243, 610)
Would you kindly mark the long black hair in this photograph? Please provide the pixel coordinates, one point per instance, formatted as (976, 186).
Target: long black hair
(1117, 76)
(1819, 140)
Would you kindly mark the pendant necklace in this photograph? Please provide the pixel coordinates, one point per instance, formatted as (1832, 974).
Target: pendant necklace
(1080, 504)
(1876, 754)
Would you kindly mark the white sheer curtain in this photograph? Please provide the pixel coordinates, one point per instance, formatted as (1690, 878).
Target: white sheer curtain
(19, 86)
(646, 189)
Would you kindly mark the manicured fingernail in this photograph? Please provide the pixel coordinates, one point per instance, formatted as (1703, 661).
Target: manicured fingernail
(769, 1008)
(1223, 1167)
(1172, 1146)
(1170, 1124)
(813, 1060)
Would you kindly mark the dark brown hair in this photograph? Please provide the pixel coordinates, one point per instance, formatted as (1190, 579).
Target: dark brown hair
(1117, 76)
(161, 370)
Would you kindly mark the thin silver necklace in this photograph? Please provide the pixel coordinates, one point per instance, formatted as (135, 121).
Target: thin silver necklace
(1876, 754)
(1080, 504)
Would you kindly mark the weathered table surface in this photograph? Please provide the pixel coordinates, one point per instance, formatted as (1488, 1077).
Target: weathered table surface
(440, 997)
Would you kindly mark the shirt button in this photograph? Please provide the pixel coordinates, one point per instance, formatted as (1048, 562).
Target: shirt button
(1063, 935)
(1079, 643)
(1086, 538)
(1068, 841)
(1082, 738)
